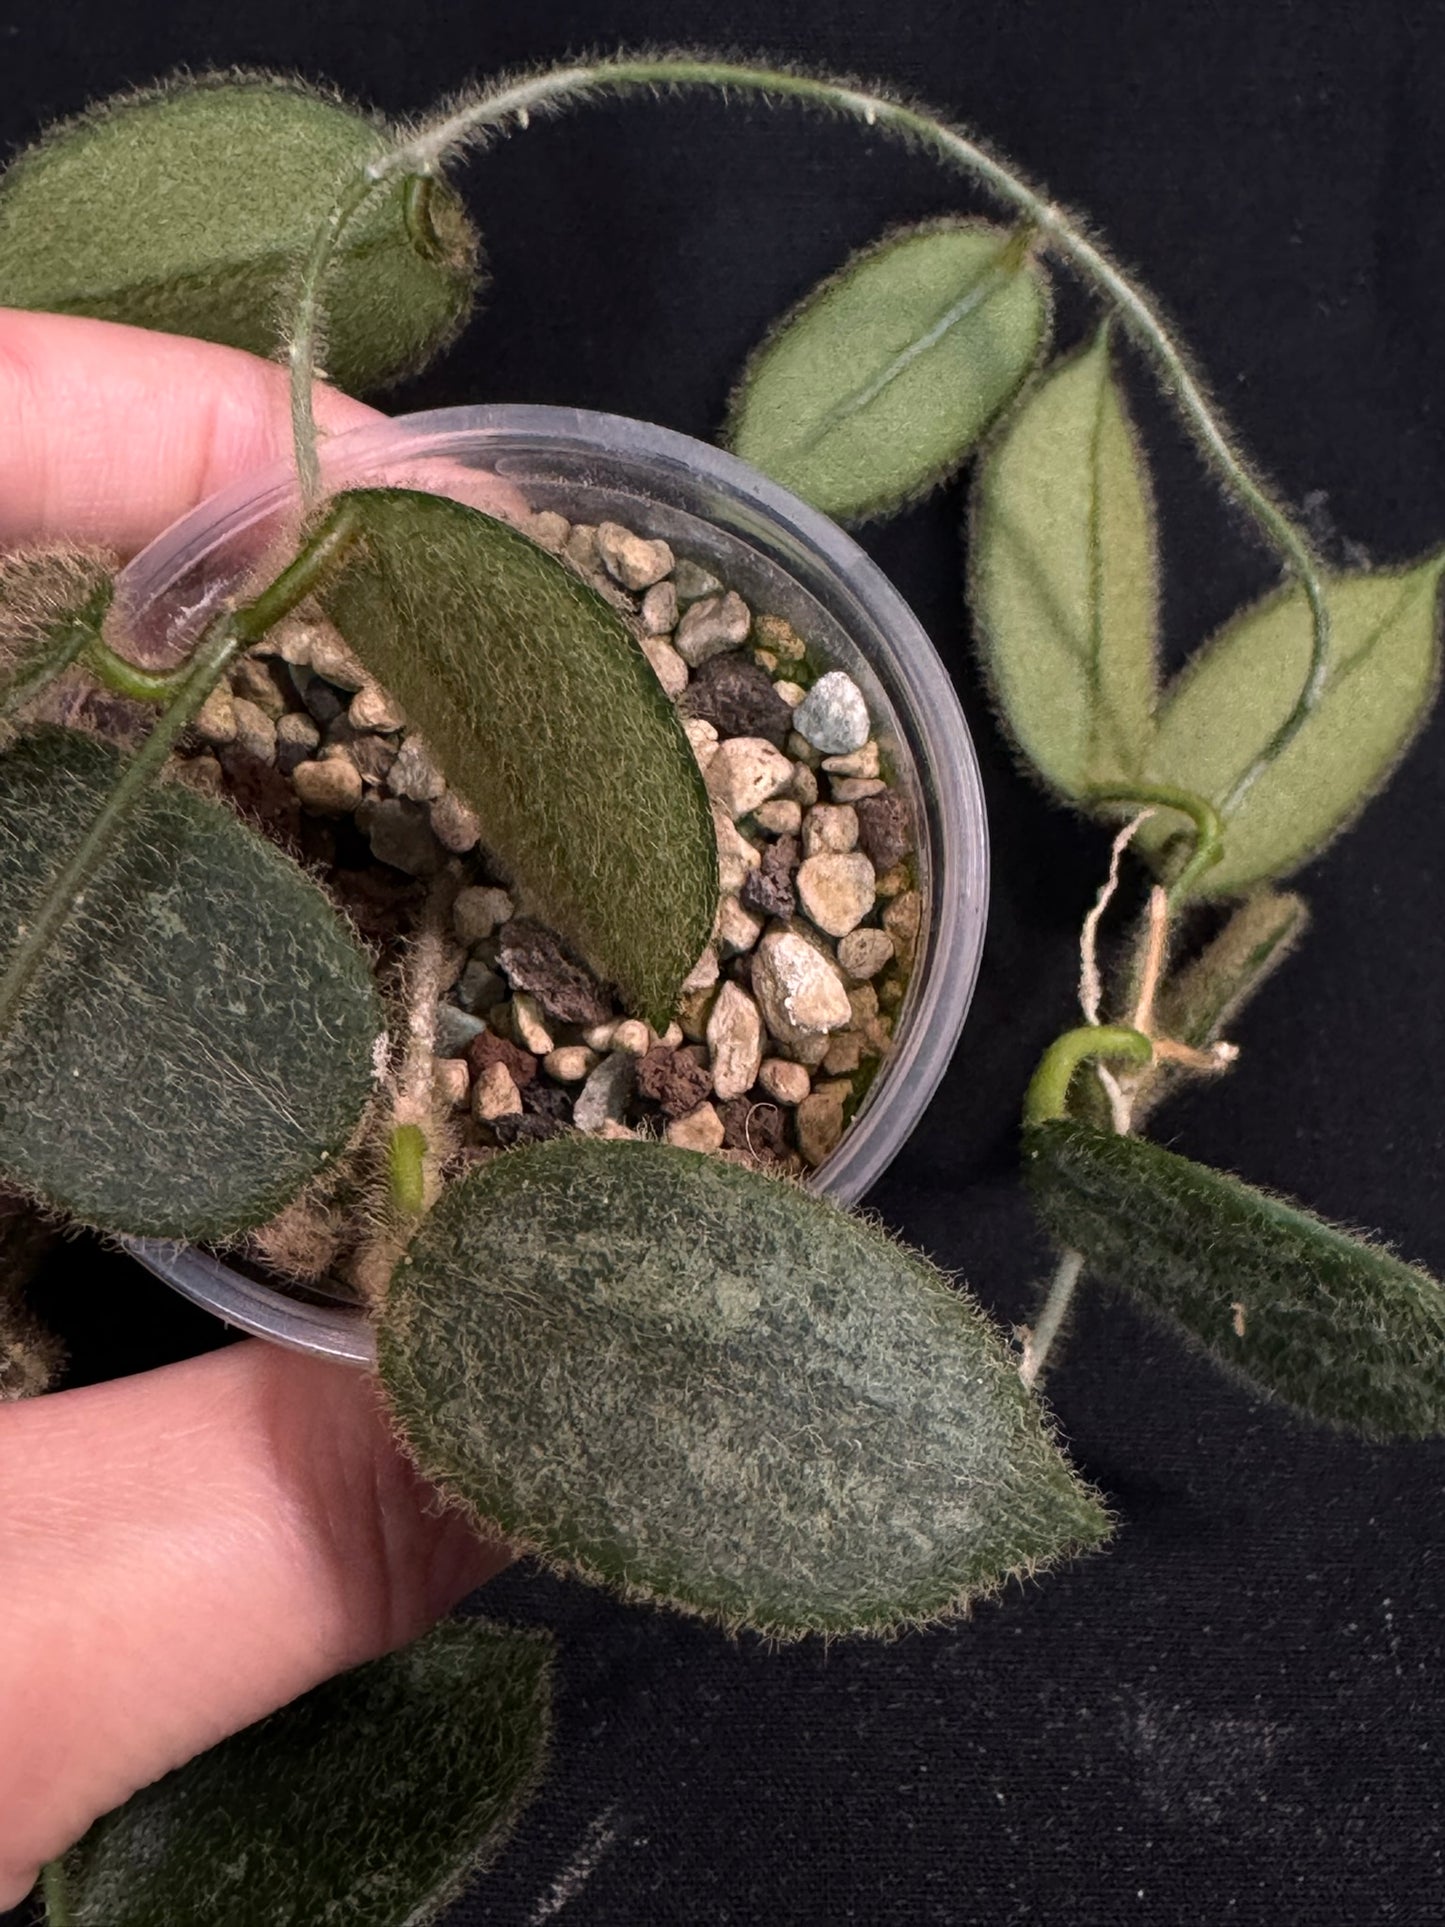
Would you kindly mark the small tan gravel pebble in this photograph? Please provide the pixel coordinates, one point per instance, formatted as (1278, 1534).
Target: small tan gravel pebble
(700, 1130)
(659, 610)
(216, 718)
(598, 1037)
(844, 1053)
(413, 774)
(711, 627)
(802, 751)
(859, 762)
(850, 789)
(495, 1095)
(830, 827)
(255, 730)
(203, 774)
(372, 708)
(550, 529)
(863, 953)
(455, 825)
(892, 883)
(736, 856)
(902, 920)
(744, 772)
(581, 550)
(704, 973)
(694, 1007)
(672, 1036)
(778, 634)
(703, 737)
(252, 679)
(610, 1128)
(529, 1026)
(792, 693)
(737, 929)
(734, 1041)
(633, 1036)
(478, 911)
(569, 1063)
(451, 1081)
(819, 1125)
(332, 787)
(631, 559)
(297, 740)
(785, 1082)
(782, 817)
(836, 890)
(799, 991)
(804, 786)
(668, 666)
(334, 662)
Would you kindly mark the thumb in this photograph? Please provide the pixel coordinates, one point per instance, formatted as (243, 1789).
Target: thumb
(185, 1551)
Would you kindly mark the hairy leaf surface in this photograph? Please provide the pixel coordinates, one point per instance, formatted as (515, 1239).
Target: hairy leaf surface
(711, 1389)
(1336, 1327)
(879, 383)
(370, 1802)
(1065, 578)
(548, 719)
(199, 1042)
(1228, 703)
(185, 207)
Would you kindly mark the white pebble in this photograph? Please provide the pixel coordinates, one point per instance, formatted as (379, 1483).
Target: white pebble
(746, 771)
(800, 993)
(633, 1036)
(861, 762)
(836, 890)
(737, 929)
(712, 626)
(833, 716)
(631, 559)
(704, 973)
(703, 737)
(668, 666)
(659, 610)
(570, 1063)
(735, 855)
(529, 1026)
(830, 827)
(734, 1041)
(372, 708)
(451, 1081)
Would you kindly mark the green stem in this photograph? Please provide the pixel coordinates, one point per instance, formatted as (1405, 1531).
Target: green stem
(407, 1169)
(129, 678)
(55, 1893)
(1048, 1092)
(222, 641)
(512, 103)
(1208, 827)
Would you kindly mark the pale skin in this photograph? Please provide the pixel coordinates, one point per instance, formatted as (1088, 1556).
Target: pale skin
(183, 1551)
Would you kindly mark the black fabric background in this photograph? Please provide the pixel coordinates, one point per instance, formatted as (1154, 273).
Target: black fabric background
(1234, 1715)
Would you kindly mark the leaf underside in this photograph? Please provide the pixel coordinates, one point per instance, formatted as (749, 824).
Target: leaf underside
(1229, 701)
(1065, 578)
(370, 1802)
(541, 708)
(712, 1390)
(199, 1042)
(877, 385)
(187, 206)
(1339, 1329)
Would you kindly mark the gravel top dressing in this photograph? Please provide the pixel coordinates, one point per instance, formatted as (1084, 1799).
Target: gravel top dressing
(789, 1010)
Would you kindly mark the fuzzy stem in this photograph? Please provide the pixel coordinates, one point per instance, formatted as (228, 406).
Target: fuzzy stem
(406, 1169)
(1048, 1091)
(513, 102)
(1061, 1291)
(68, 645)
(55, 1894)
(125, 678)
(223, 640)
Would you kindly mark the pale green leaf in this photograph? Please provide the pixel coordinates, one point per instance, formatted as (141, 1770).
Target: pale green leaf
(371, 1802)
(1065, 578)
(1228, 703)
(1336, 1327)
(186, 207)
(199, 1043)
(541, 708)
(876, 386)
(714, 1390)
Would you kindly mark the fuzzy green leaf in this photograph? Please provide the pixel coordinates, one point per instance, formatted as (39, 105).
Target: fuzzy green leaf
(186, 207)
(1336, 1327)
(1230, 700)
(548, 719)
(713, 1390)
(370, 1802)
(1198, 1002)
(876, 386)
(1065, 582)
(199, 1043)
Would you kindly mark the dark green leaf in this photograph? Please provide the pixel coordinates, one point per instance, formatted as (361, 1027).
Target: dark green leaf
(879, 383)
(201, 1040)
(1236, 693)
(711, 1389)
(546, 716)
(1065, 578)
(1334, 1326)
(370, 1802)
(186, 207)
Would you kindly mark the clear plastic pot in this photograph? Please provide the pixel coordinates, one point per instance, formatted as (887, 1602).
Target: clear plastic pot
(784, 558)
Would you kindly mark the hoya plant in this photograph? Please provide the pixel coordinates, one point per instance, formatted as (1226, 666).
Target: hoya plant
(670, 1373)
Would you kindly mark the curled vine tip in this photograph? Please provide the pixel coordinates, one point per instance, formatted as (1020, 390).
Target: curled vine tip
(1048, 1091)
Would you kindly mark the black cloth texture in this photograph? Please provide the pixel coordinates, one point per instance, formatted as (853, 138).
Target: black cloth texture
(1232, 1715)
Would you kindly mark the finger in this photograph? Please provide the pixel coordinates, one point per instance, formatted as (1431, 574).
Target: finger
(182, 1553)
(109, 433)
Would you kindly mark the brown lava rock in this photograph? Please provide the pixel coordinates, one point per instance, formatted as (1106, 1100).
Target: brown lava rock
(738, 698)
(525, 1127)
(883, 833)
(769, 888)
(673, 1080)
(535, 961)
(486, 1048)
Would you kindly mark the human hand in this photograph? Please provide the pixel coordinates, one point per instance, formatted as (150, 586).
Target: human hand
(183, 1551)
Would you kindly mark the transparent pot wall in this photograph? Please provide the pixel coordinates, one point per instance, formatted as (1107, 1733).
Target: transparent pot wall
(783, 557)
